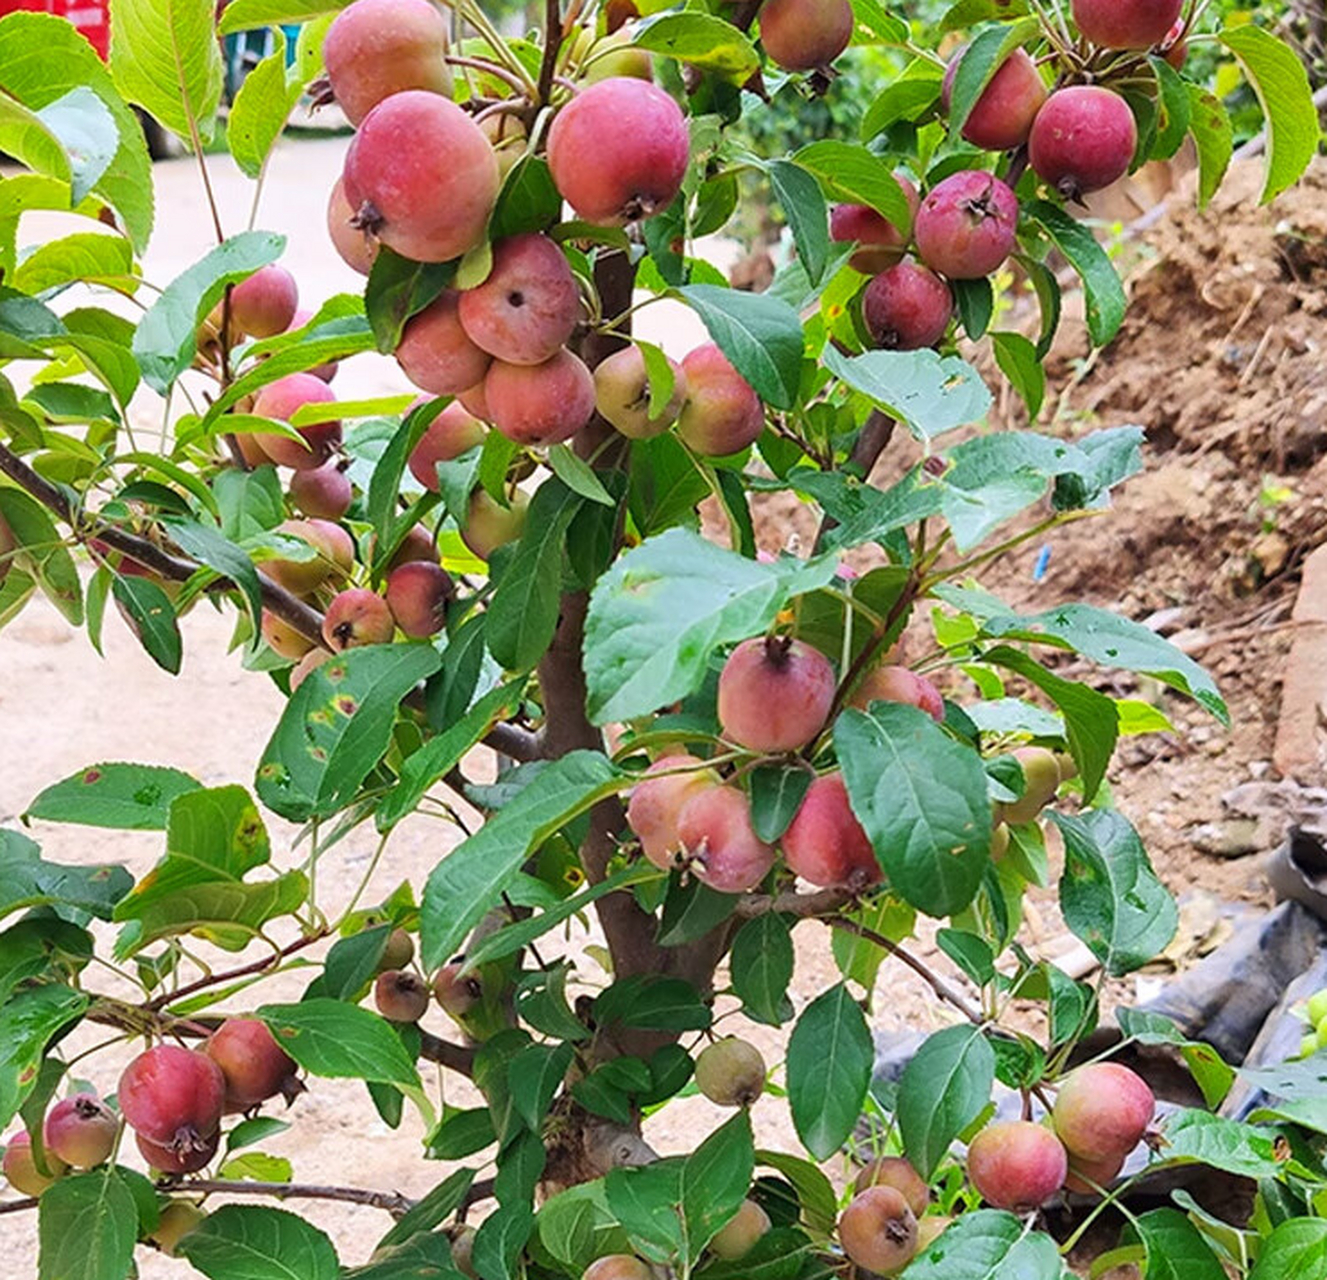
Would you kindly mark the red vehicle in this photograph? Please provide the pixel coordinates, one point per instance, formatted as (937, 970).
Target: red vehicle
(91, 17)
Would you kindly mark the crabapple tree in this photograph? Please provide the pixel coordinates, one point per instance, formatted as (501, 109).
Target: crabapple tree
(706, 744)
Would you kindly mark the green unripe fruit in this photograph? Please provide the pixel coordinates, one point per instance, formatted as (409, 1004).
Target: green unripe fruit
(1317, 1009)
(1041, 772)
(1308, 1045)
(177, 1220)
(731, 1072)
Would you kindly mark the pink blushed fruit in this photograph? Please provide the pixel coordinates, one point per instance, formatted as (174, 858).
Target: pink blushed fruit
(416, 545)
(722, 414)
(279, 400)
(889, 683)
(719, 843)
(896, 1172)
(1082, 140)
(618, 1266)
(967, 224)
(657, 801)
(1102, 1111)
(254, 1065)
(400, 995)
(175, 1159)
(422, 177)
(436, 353)
(173, 1098)
(357, 617)
(540, 404)
(801, 35)
(527, 307)
(264, 305)
(775, 694)
(356, 246)
(1002, 116)
(622, 395)
(335, 556)
(20, 1167)
(825, 844)
(878, 1230)
(1017, 1165)
(475, 401)
(1126, 24)
(325, 492)
(453, 432)
(881, 243)
(1091, 1177)
(80, 1130)
(283, 639)
(907, 307)
(376, 48)
(618, 151)
(417, 595)
(457, 993)
(306, 666)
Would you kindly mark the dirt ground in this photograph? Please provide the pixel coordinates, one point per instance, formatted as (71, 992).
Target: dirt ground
(1221, 358)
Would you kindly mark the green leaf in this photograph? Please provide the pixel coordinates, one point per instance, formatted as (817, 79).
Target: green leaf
(209, 547)
(337, 726)
(652, 1002)
(989, 1245)
(27, 881)
(467, 882)
(152, 620)
(1102, 290)
(42, 552)
(759, 334)
(165, 58)
(1176, 1250)
(703, 40)
(980, 61)
(85, 256)
(777, 792)
(692, 910)
(1214, 136)
(500, 1240)
(906, 97)
(529, 200)
(921, 798)
(761, 964)
(930, 393)
(399, 288)
(1281, 82)
(577, 474)
(1110, 896)
(646, 1200)
(1017, 358)
(43, 59)
(461, 1134)
(523, 613)
(803, 204)
(253, 1242)
(166, 339)
(665, 485)
(943, 1089)
(715, 1179)
(435, 1208)
(123, 797)
(27, 1023)
(244, 15)
(337, 1040)
(1296, 1250)
(1240, 1149)
(849, 172)
(534, 1076)
(659, 612)
(830, 1054)
(1113, 641)
(88, 1225)
(815, 1192)
(260, 110)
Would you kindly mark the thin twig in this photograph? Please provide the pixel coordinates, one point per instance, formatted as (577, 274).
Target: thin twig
(802, 906)
(18, 1206)
(932, 980)
(392, 1201)
(232, 975)
(552, 43)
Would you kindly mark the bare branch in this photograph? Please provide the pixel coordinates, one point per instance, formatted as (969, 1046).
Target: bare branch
(511, 740)
(933, 980)
(552, 43)
(230, 975)
(392, 1201)
(804, 906)
(19, 1206)
(456, 1057)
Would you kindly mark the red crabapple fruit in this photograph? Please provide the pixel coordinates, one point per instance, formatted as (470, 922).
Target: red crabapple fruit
(896, 1172)
(356, 246)
(376, 48)
(722, 414)
(81, 1130)
(279, 400)
(731, 1072)
(325, 492)
(416, 545)
(825, 844)
(622, 394)
(174, 1159)
(1102, 1111)
(527, 307)
(264, 305)
(255, 1066)
(400, 995)
(718, 841)
(618, 151)
(775, 694)
(421, 176)
(1002, 116)
(1090, 1177)
(453, 432)
(1126, 24)
(436, 353)
(306, 666)
(540, 404)
(1082, 140)
(880, 242)
(878, 1230)
(417, 594)
(801, 35)
(356, 617)
(966, 225)
(397, 952)
(456, 992)
(657, 801)
(907, 307)
(618, 1266)
(173, 1099)
(1017, 1165)
(301, 577)
(889, 683)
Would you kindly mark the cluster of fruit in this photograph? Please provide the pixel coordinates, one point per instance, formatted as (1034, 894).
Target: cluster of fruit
(1079, 138)
(1315, 1014)
(776, 695)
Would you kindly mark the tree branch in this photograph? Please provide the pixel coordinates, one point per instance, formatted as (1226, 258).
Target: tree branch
(933, 980)
(804, 906)
(392, 1201)
(872, 439)
(19, 1206)
(230, 975)
(511, 740)
(456, 1057)
(552, 43)
(289, 608)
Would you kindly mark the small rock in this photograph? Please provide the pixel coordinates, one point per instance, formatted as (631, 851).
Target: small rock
(1227, 838)
(1259, 769)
